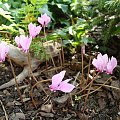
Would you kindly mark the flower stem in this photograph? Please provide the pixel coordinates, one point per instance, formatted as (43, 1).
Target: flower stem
(29, 64)
(90, 88)
(31, 94)
(15, 80)
(49, 52)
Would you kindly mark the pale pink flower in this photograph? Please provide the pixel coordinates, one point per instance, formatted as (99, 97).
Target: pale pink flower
(101, 62)
(4, 48)
(112, 63)
(58, 84)
(23, 42)
(44, 20)
(34, 30)
(17, 40)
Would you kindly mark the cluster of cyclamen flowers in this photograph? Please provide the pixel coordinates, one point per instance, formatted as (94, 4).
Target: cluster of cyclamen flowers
(103, 63)
(23, 41)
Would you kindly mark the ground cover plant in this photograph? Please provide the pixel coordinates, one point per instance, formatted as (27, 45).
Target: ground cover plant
(59, 60)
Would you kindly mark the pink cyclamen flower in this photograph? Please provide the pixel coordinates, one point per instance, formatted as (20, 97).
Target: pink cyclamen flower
(23, 42)
(34, 30)
(44, 20)
(4, 48)
(58, 84)
(101, 62)
(112, 63)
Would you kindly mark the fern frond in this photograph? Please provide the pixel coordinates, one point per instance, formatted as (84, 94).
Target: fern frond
(113, 5)
(6, 15)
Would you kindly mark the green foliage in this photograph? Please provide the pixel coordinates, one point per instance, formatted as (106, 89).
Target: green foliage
(106, 16)
(38, 50)
(72, 20)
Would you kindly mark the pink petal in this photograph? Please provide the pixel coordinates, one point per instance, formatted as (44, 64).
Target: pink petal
(105, 61)
(99, 56)
(25, 43)
(4, 48)
(41, 21)
(101, 62)
(56, 79)
(33, 30)
(44, 20)
(95, 62)
(38, 29)
(111, 65)
(113, 62)
(65, 87)
(17, 40)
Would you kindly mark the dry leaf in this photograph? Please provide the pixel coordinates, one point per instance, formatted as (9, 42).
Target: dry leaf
(17, 116)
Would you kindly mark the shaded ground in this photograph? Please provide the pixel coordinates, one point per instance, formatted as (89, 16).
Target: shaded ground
(101, 105)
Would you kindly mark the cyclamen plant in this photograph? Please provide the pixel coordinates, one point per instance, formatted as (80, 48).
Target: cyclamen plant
(25, 41)
(103, 63)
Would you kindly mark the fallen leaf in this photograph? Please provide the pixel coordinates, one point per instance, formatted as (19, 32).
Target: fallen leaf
(46, 108)
(17, 116)
(44, 114)
(61, 99)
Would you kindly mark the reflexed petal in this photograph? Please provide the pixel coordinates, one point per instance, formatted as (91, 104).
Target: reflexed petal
(33, 30)
(56, 79)
(95, 62)
(111, 65)
(41, 21)
(113, 62)
(99, 56)
(105, 61)
(38, 29)
(25, 43)
(44, 20)
(17, 40)
(101, 62)
(65, 87)
(4, 48)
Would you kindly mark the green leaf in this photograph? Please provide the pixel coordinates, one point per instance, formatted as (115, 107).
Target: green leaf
(44, 9)
(116, 30)
(63, 7)
(33, 2)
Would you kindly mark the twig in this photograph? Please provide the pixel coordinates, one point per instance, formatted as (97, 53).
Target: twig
(6, 116)
(89, 89)
(109, 86)
(31, 94)
(95, 89)
(83, 89)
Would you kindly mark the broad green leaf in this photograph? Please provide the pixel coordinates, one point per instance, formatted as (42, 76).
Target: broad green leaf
(33, 2)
